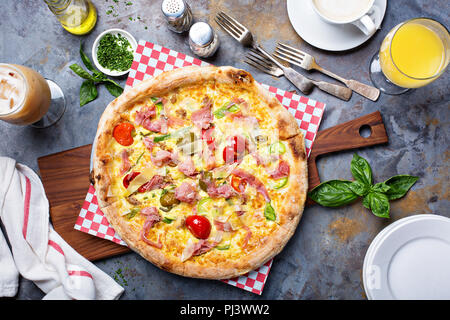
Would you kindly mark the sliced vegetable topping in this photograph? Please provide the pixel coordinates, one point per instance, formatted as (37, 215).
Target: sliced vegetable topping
(158, 104)
(123, 133)
(203, 205)
(228, 154)
(168, 199)
(199, 226)
(277, 148)
(207, 135)
(127, 179)
(280, 183)
(226, 108)
(132, 213)
(238, 184)
(161, 138)
(235, 151)
(269, 212)
(168, 219)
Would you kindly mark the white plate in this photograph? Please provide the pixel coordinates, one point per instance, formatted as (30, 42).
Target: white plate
(409, 260)
(125, 34)
(318, 33)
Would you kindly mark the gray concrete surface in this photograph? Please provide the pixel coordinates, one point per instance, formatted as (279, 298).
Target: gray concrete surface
(324, 258)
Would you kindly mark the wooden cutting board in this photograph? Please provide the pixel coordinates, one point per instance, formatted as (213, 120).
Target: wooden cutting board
(65, 176)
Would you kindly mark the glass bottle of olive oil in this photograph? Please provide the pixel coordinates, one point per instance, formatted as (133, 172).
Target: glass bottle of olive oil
(76, 16)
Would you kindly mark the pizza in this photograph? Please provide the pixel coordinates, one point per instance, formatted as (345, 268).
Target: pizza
(201, 171)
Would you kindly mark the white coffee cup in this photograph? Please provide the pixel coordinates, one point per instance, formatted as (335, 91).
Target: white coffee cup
(346, 12)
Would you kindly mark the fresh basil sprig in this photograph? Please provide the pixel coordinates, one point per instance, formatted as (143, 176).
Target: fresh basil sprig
(376, 197)
(88, 89)
(333, 193)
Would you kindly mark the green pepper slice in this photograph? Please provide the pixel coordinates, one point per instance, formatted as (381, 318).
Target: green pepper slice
(158, 105)
(277, 148)
(280, 183)
(202, 205)
(223, 247)
(132, 213)
(161, 138)
(269, 212)
(168, 220)
(222, 111)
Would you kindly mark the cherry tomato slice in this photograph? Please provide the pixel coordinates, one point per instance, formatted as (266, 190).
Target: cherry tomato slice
(238, 184)
(229, 155)
(207, 135)
(239, 144)
(199, 226)
(144, 187)
(129, 177)
(123, 133)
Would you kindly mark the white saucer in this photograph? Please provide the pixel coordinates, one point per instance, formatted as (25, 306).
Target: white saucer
(318, 33)
(409, 260)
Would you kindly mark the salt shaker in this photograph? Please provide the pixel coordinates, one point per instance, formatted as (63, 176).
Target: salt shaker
(178, 15)
(203, 41)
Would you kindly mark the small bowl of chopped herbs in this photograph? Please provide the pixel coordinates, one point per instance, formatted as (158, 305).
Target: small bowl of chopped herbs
(112, 52)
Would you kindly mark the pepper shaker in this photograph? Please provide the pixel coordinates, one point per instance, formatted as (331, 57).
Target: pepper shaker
(203, 41)
(178, 15)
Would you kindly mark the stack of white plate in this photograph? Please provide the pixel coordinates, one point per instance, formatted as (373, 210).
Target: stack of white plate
(410, 259)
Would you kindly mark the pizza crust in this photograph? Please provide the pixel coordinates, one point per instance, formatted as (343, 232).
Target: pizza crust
(289, 215)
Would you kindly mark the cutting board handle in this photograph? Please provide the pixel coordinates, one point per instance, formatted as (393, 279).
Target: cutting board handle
(345, 136)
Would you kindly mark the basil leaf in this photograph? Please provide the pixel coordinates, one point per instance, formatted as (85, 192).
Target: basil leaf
(81, 72)
(269, 212)
(361, 170)
(359, 188)
(378, 203)
(380, 187)
(333, 193)
(113, 88)
(87, 62)
(97, 76)
(366, 202)
(399, 185)
(88, 92)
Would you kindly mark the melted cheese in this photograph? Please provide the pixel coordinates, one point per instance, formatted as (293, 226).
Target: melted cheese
(175, 239)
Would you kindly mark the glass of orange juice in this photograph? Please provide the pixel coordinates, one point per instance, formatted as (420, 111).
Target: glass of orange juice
(413, 54)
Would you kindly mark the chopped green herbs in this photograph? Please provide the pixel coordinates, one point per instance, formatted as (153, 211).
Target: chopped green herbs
(115, 52)
(119, 277)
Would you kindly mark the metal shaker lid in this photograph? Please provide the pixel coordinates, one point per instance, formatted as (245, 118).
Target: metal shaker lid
(173, 8)
(201, 34)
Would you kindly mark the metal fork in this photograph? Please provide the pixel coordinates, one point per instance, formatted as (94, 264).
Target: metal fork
(254, 59)
(263, 61)
(242, 34)
(306, 61)
(235, 29)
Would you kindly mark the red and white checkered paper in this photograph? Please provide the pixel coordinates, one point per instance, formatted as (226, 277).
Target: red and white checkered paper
(151, 60)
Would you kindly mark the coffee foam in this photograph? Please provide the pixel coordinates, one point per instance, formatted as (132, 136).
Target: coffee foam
(342, 10)
(12, 89)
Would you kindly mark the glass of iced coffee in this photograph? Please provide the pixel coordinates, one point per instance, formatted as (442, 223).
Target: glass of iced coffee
(27, 98)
